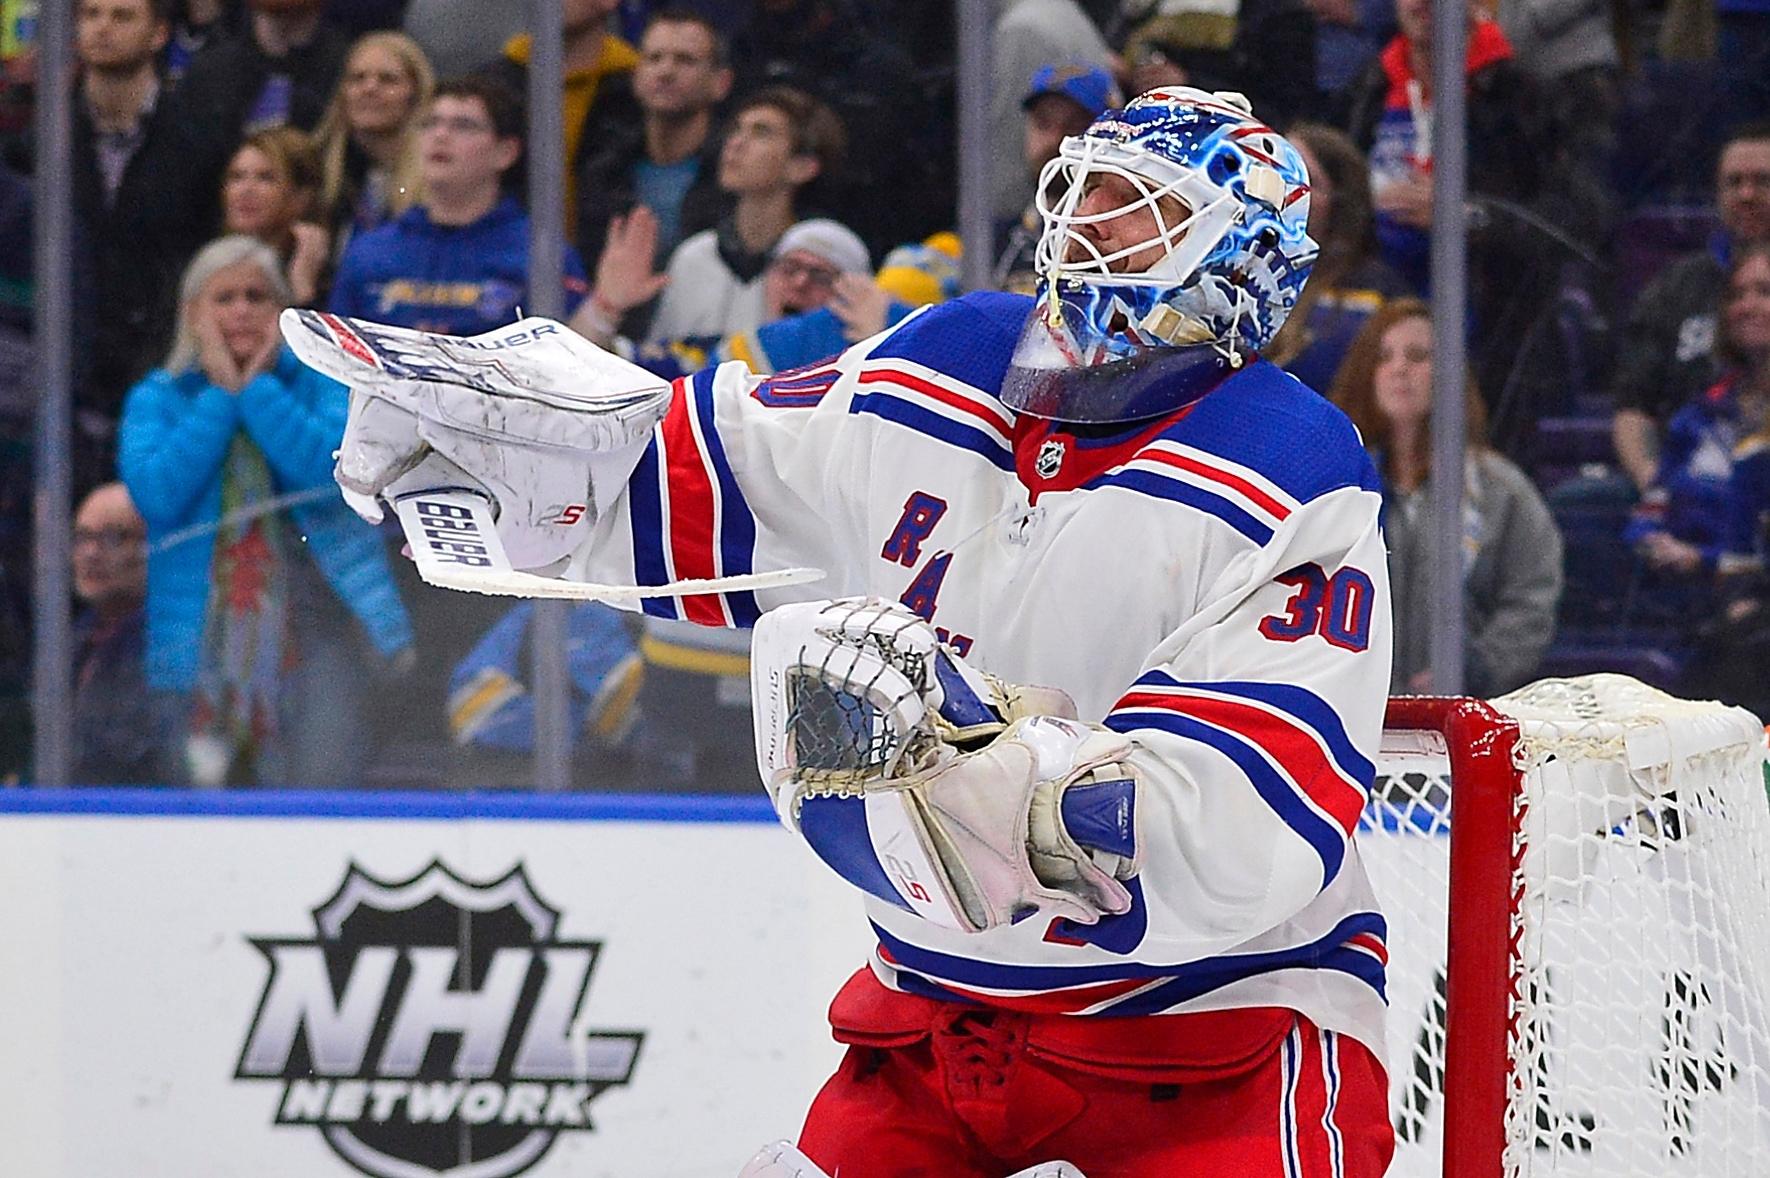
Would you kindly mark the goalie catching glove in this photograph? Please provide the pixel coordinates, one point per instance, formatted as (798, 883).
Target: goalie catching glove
(490, 414)
(966, 800)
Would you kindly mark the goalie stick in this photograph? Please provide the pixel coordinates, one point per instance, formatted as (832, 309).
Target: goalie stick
(455, 546)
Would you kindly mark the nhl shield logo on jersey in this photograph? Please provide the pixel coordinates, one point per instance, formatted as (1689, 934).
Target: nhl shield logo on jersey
(433, 1026)
(1050, 459)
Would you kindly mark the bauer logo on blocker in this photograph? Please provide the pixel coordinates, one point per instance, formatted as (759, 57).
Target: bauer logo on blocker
(433, 1025)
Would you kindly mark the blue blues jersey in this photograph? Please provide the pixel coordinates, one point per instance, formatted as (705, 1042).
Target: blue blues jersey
(451, 279)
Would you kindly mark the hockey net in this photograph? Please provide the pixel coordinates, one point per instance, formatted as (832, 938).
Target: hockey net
(1580, 977)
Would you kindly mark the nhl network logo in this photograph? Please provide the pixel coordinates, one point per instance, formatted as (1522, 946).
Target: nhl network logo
(433, 1026)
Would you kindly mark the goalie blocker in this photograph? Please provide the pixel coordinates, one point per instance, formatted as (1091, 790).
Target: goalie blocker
(970, 802)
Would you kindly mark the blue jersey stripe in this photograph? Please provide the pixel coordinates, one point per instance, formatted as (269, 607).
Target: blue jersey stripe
(1274, 788)
(1185, 982)
(1266, 420)
(737, 524)
(1324, 954)
(1158, 486)
(1299, 702)
(934, 425)
(645, 512)
(968, 339)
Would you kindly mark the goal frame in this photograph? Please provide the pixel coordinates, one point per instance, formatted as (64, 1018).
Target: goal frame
(1481, 981)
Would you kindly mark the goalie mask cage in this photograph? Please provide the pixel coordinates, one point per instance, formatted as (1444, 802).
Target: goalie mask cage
(1579, 943)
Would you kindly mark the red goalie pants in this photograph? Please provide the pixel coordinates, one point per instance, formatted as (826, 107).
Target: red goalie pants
(935, 1090)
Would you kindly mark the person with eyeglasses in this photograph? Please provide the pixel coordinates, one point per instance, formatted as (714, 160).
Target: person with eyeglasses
(114, 739)
(457, 263)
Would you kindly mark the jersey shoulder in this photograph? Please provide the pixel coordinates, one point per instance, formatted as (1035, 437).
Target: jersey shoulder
(969, 339)
(1266, 421)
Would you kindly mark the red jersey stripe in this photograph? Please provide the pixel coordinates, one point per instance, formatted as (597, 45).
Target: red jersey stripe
(693, 507)
(1285, 740)
(946, 396)
(1233, 481)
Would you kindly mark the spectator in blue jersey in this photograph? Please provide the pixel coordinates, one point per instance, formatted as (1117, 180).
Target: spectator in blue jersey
(1733, 646)
(1350, 279)
(1688, 519)
(457, 263)
(281, 68)
(1511, 546)
(492, 713)
(266, 598)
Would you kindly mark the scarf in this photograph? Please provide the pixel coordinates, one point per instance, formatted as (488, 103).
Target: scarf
(246, 645)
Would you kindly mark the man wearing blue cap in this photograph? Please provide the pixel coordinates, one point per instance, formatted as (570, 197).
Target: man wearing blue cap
(1062, 101)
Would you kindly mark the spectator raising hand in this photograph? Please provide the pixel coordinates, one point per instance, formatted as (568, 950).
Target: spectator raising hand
(269, 192)
(861, 304)
(310, 252)
(625, 275)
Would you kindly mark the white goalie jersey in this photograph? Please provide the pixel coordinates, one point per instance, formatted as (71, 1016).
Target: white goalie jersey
(1211, 586)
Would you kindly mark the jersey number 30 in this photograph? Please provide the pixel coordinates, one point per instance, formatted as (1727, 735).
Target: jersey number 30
(1338, 607)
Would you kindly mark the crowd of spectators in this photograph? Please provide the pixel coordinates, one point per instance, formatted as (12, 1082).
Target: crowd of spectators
(767, 181)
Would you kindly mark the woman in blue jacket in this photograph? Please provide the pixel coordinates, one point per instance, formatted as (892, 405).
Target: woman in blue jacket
(259, 672)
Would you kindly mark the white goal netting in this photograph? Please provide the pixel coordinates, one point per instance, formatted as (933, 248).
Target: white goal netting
(1640, 996)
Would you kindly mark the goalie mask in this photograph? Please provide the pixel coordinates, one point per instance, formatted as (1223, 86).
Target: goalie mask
(1175, 243)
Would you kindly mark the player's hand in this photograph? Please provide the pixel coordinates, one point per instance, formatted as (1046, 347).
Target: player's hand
(863, 718)
(542, 423)
(861, 304)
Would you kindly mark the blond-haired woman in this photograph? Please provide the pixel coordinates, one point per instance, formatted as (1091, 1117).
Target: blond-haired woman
(255, 568)
(367, 140)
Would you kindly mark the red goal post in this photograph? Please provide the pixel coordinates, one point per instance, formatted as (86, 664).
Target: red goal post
(1482, 746)
(1580, 942)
